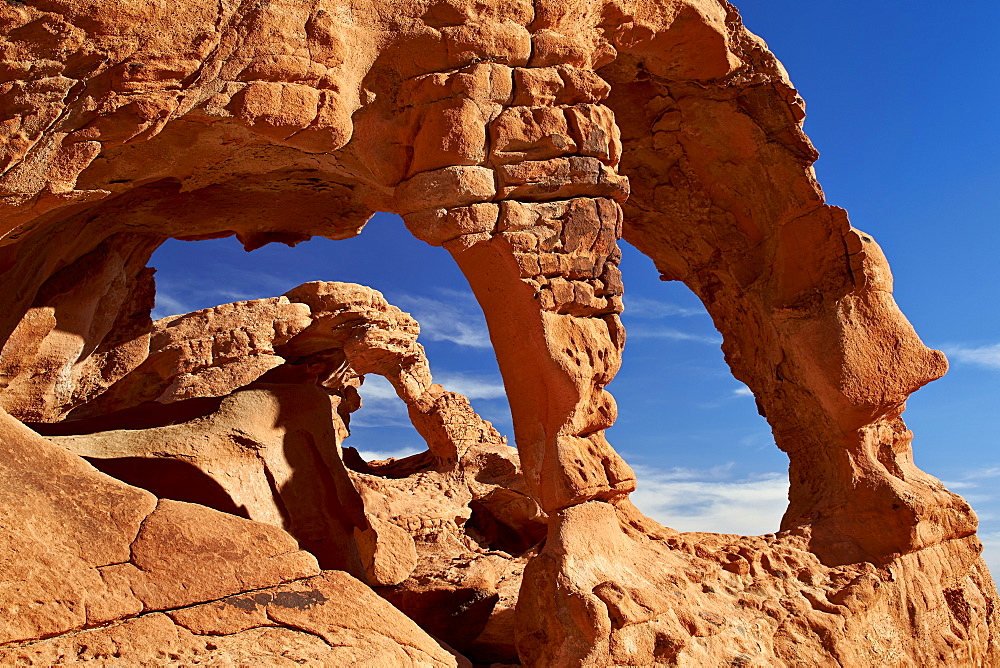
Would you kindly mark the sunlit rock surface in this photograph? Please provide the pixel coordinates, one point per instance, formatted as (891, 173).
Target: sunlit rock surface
(178, 492)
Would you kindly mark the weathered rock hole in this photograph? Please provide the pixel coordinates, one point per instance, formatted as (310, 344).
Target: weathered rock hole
(417, 278)
(704, 459)
(499, 535)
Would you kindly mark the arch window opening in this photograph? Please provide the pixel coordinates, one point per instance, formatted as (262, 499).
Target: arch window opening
(244, 400)
(417, 278)
(703, 457)
(705, 461)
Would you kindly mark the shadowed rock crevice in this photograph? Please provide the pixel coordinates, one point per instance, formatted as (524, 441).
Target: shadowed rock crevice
(143, 416)
(170, 479)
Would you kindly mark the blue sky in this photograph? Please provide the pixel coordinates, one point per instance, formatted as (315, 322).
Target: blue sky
(902, 101)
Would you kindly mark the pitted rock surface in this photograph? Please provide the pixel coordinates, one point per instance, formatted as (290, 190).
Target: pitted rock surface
(526, 137)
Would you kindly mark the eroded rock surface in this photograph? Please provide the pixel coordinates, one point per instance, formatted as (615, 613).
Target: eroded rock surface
(525, 138)
(331, 619)
(435, 532)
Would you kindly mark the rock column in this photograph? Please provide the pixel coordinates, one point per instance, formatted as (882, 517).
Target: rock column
(534, 228)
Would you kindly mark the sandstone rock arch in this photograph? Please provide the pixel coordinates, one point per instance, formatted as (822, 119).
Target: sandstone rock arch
(526, 138)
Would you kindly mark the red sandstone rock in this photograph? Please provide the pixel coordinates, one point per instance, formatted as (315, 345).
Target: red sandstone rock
(472, 524)
(268, 454)
(331, 619)
(525, 138)
(98, 550)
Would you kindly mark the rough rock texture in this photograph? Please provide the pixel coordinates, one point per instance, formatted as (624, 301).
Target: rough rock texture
(525, 137)
(438, 531)
(330, 620)
(267, 453)
(473, 525)
(99, 551)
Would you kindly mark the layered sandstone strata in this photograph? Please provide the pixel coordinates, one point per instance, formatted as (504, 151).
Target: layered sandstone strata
(526, 138)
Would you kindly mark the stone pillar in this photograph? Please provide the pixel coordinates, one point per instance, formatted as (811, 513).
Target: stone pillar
(534, 229)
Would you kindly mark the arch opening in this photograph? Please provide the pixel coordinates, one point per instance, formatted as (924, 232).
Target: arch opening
(418, 279)
(705, 460)
(382, 491)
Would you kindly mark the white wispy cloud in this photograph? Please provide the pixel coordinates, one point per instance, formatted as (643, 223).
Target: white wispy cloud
(980, 494)
(988, 472)
(377, 388)
(372, 426)
(672, 335)
(743, 392)
(706, 500)
(377, 455)
(955, 485)
(456, 318)
(975, 485)
(178, 296)
(644, 307)
(236, 295)
(166, 305)
(991, 550)
(718, 473)
(982, 502)
(472, 386)
(988, 356)
(380, 406)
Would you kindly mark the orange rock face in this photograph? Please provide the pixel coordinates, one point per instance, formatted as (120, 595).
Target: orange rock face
(526, 138)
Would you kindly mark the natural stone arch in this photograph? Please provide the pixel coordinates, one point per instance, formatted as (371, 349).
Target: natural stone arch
(488, 129)
(727, 202)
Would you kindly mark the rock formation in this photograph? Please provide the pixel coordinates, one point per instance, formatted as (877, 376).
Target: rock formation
(526, 138)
